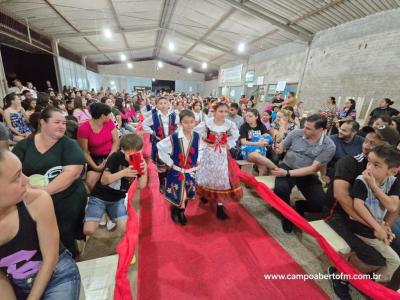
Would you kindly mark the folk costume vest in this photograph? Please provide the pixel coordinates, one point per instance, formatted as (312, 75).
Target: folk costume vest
(181, 184)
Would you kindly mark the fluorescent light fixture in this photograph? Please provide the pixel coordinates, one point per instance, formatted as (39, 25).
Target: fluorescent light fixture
(189, 70)
(160, 64)
(129, 65)
(204, 65)
(107, 33)
(112, 82)
(153, 79)
(122, 57)
(241, 47)
(171, 46)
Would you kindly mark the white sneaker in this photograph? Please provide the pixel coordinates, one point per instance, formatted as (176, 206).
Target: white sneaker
(111, 226)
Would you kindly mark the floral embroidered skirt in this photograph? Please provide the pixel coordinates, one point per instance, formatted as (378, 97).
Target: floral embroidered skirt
(214, 181)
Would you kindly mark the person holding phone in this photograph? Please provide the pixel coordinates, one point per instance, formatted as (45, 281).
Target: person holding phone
(180, 153)
(108, 195)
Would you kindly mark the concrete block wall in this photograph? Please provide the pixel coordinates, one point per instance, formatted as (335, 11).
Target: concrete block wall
(359, 59)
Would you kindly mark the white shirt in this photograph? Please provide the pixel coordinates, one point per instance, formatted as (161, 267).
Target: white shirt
(148, 122)
(227, 126)
(17, 90)
(165, 147)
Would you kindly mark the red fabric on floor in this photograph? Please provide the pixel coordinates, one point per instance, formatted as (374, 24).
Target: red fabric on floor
(209, 258)
(368, 287)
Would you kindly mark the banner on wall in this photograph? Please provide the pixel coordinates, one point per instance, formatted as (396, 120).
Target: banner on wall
(249, 77)
(231, 75)
(280, 87)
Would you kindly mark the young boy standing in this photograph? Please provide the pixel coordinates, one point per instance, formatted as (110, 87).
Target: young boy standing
(160, 124)
(180, 153)
(375, 193)
(108, 195)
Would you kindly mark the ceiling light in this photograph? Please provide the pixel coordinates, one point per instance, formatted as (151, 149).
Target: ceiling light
(160, 64)
(171, 46)
(153, 79)
(123, 57)
(241, 47)
(189, 70)
(107, 33)
(204, 65)
(130, 65)
(112, 82)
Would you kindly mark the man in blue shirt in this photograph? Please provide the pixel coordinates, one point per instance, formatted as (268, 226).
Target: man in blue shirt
(347, 142)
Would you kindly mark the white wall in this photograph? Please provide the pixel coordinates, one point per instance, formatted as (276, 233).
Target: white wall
(149, 69)
(210, 88)
(94, 80)
(72, 74)
(187, 86)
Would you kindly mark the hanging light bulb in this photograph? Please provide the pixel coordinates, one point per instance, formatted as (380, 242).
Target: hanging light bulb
(189, 70)
(107, 33)
(122, 57)
(129, 65)
(160, 64)
(241, 47)
(204, 65)
(171, 46)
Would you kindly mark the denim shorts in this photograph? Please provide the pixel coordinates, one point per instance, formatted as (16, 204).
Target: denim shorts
(65, 283)
(97, 207)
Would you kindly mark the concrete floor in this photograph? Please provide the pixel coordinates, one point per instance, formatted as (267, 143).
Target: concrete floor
(299, 245)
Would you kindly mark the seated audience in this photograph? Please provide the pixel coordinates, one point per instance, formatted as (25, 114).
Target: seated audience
(15, 118)
(375, 193)
(364, 257)
(283, 124)
(58, 158)
(29, 226)
(307, 150)
(234, 115)
(4, 134)
(80, 111)
(108, 195)
(383, 109)
(98, 139)
(266, 119)
(347, 142)
(254, 139)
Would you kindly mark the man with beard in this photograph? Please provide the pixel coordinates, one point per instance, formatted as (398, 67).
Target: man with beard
(363, 257)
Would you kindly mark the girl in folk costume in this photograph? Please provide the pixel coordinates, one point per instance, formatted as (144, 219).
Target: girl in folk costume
(214, 181)
(180, 153)
(160, 124)
(198, 113)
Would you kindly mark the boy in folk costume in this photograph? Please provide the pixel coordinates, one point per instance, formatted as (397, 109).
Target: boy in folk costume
(180, 153)
(215, 182)
(160, 124)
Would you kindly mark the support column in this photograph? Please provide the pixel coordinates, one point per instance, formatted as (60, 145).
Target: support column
(3, 81)
(56, 56)
(83, 63)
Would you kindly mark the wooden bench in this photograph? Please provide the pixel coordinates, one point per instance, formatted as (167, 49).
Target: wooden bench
(245, 165)
(269, 181)
(98, 277)
(335, 240)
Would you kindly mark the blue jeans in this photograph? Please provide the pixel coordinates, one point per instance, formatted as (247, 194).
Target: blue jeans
(396, 227)
(64, 284)
(97, 207)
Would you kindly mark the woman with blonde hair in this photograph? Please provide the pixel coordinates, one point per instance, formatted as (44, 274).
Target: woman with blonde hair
(283, 124)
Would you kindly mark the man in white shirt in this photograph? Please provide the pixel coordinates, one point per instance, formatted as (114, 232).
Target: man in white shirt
(18, 88)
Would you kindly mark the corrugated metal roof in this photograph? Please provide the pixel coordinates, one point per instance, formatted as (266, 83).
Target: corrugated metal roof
(202, 30)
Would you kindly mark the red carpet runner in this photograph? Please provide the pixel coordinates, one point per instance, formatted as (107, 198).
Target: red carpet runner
(212, 259)
(209, 259)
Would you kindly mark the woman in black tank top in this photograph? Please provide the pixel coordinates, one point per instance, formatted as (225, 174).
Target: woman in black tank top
(32, 261)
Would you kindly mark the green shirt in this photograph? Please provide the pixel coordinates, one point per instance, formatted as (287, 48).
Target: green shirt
(64, 153)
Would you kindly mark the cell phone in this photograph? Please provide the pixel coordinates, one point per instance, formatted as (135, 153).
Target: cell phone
(135, 160)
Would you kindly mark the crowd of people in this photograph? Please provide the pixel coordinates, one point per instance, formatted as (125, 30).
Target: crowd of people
(86, 146)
